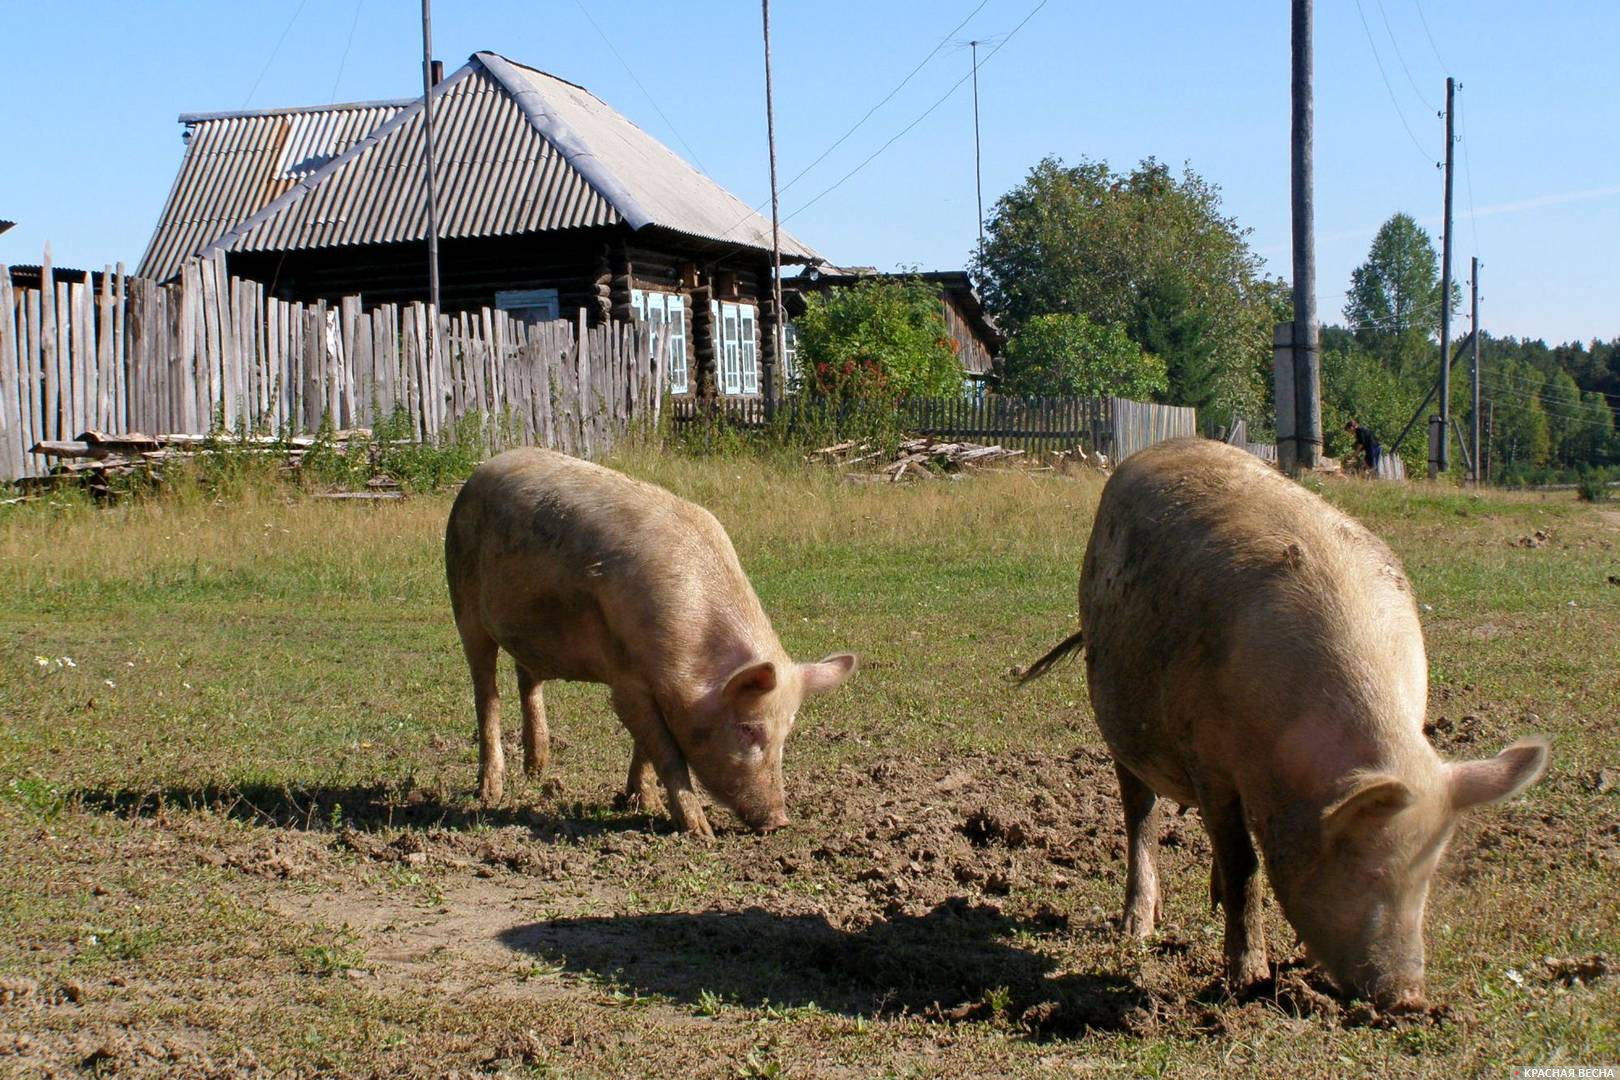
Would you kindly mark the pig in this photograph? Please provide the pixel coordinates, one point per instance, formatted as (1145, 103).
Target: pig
(579, 572)
(1254, 652)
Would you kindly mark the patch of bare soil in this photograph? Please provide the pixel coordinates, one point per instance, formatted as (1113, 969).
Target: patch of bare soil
(970, 888)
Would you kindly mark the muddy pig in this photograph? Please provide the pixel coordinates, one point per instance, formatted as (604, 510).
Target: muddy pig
(1255, 653)
(580, 572)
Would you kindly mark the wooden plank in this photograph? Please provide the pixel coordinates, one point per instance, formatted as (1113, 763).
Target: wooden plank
(11, 444)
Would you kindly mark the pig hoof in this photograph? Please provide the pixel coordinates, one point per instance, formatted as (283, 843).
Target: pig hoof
(490, 792)
(1138, 924)
(1247, 973)
(696, 825)
(534, 770)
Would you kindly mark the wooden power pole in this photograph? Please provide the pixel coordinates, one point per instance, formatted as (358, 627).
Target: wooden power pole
(978, 176)
(1473, 368)
(427, 134)
(1442, 459)
(1299, 432)
(778, 316)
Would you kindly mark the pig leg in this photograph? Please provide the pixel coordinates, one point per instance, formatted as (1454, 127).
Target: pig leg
(536, 739)
(638, 712)
(641, 789)
(1236, 872)
(482, 654)
(1142, 906)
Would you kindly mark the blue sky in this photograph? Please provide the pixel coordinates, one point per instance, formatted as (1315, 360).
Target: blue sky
(90, 143)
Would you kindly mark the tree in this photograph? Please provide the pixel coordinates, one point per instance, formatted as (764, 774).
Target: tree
(1069, 355)
(1146, 250)
(881, 338)
(1393, 303)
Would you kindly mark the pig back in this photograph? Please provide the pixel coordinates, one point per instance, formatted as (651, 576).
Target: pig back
(581, 570)
(1222, 602)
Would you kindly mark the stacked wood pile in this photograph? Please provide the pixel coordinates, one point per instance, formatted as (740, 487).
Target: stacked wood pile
(95, 458)
(916, 459)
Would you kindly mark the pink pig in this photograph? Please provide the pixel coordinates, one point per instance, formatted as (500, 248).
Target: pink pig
(1255, 653)
(580, 572)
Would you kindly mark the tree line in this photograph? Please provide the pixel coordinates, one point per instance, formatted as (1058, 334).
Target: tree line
(1138, 284)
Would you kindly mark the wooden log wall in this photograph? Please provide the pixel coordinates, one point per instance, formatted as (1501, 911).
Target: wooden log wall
(214, 352)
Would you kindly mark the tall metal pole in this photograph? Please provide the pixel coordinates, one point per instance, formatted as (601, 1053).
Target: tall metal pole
(427, 132)
(1307, 442)
(1473, 278)
(776, 226)
(978, 178)
(1442, 460)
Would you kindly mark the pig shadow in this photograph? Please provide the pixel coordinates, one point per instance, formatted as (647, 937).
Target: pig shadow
(366, 808)
(951, 963)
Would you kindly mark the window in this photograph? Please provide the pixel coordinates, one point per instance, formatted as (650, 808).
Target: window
(529, 305)
(739, 359)
(789, 353)
(666, 313)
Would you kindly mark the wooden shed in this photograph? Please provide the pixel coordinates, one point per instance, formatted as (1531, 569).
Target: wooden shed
(548, 201)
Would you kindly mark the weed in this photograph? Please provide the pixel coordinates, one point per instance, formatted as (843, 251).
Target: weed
(330, 959)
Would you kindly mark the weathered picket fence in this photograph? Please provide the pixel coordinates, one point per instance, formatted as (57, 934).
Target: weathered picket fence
(1116, 426)
(116, 353)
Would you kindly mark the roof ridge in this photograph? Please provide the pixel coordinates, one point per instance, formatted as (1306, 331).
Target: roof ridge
(288, 110)
(308, 183)
(555, 130)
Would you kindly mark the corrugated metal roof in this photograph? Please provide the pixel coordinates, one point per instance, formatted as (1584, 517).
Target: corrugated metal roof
(236, 163)
(517, 150)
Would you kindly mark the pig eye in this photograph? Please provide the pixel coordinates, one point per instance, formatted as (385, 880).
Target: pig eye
(752, 736)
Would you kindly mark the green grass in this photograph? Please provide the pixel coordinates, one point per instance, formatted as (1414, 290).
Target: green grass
(199, 814)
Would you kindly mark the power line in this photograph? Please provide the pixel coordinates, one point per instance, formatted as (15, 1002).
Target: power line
(1391, 32)
(886, 98)
(1385, 77)
(1443, 65)
(274, 52)
(926, 113)
(634, 78)
(857, 125)
(344, 59)
(1468, 176)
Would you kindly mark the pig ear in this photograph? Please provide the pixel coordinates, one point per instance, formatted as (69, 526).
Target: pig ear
(751, 679)
(1474, 783)
(827, 674)
(1376, 796)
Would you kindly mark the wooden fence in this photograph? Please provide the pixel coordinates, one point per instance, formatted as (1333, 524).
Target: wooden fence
(127, 354)
(1116, 426)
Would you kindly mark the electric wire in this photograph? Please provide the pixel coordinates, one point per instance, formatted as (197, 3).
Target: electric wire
(857, 125)
(1385, 77)
(637, 80)
(274, 52)
(343, 60)
(1434, 48)
(1397, 46)
(926, 113)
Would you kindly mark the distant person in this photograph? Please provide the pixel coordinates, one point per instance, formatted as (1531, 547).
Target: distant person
(1366, 444)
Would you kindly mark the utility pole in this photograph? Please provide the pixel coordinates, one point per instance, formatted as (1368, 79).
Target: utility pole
(978, 178)
(1299, 381)
(1442, 459)
(1473, 282)
(776, 230)
(427, 133)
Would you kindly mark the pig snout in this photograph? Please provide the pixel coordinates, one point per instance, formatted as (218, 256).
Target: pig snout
(772, 821)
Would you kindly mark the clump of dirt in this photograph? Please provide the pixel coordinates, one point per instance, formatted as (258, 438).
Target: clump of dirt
(1539, 538)
(1570, 971)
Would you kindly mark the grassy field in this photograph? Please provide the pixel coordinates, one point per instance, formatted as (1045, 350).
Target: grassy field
(237, 831)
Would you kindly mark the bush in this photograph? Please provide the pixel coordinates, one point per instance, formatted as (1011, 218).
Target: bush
(1071, 356)
(879, 340)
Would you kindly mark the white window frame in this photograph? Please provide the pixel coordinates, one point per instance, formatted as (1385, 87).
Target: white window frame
(529, 305)
(789, 352)
(747, 327)
(667, 314)
(736, 347)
